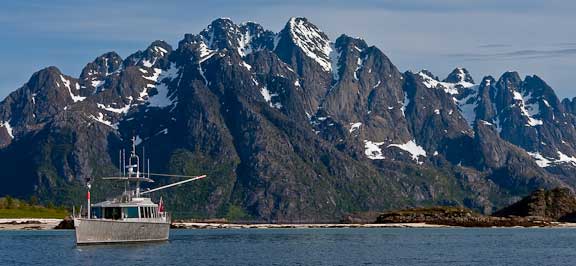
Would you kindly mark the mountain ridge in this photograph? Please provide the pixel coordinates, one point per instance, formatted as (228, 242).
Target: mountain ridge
(295, 127)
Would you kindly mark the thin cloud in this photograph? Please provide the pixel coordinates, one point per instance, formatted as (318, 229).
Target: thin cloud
(519, 54)
(494, 45)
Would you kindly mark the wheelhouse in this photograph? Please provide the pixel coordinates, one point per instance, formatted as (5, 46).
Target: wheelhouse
(138, 208)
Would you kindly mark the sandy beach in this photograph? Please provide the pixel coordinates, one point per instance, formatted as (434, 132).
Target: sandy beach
(49, 224)
(184, 225)
(28, 224)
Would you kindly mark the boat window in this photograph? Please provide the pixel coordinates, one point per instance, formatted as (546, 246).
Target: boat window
(145, 212)
(114, 213)
(96, 212)
(131, 212)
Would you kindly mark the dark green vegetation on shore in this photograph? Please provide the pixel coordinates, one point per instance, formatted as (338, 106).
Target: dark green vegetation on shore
(15, 208)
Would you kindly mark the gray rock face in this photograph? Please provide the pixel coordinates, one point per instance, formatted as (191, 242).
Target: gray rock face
(289, 126)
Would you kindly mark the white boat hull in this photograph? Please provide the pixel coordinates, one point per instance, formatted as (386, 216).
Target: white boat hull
(99, 231)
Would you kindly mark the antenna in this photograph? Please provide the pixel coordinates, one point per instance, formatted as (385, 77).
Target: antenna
(120, 161)
(143, 160)
(123, 163)
(174, 184)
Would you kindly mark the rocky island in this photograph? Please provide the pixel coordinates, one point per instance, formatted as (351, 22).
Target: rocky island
(541, 208)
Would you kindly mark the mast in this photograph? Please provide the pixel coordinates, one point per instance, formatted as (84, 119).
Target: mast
(134, 159)
(88, 199)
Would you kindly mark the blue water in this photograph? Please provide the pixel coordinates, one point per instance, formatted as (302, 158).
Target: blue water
(389, 246)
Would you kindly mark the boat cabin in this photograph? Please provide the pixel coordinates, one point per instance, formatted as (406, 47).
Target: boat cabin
(137, 208)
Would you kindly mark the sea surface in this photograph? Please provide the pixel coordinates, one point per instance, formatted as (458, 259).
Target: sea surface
(370, 246)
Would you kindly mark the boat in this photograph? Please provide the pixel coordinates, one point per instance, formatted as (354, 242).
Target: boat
(130, 217)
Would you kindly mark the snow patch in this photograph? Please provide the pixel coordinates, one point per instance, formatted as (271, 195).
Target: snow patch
(335, 62)
(546, 162)
(268, 98)
(372, 150)
(246, 65)
(147, 63)
(467, 106)
(122, 110)
(359, 65)
(528, 110)
(310, 40)
(97, 83)
(405, 104)
(450, 88)
(563, 158)
(266, 94)
(540, 160)
(155, 75)
(162, 99)
(354, 126)
(205, 52)
(67, 85)
(101, 119)
(6, 125)
(412, 148)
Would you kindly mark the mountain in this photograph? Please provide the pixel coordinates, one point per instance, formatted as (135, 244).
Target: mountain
(289, 126)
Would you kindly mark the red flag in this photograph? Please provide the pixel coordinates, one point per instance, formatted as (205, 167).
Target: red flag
(161, 205)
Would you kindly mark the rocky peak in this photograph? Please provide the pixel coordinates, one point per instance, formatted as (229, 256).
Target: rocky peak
(95, 73)
(50, 86)
(458, 87)
(157, 51)
(459, 75)
(539, 90)
(569, 105)
(156, 55)
(429, 74)
(255, 38)
(246, 38)
(314, 43)
(509, 87)
(46, 93)
(510, 79)
(220, 34)
(483, 104)
(348, 53)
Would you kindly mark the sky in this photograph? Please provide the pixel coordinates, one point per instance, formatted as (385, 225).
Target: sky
(487, 37)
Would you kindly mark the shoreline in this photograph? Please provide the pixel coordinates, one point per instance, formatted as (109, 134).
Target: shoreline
(184, 225)
(28, 224)
(24, 224)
